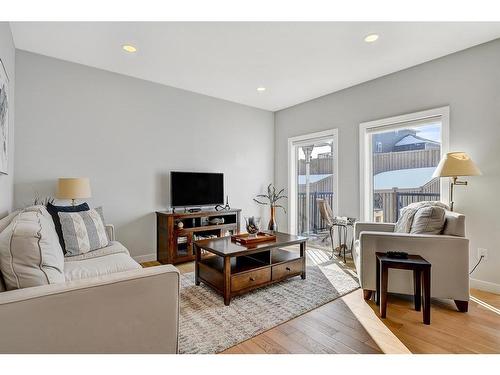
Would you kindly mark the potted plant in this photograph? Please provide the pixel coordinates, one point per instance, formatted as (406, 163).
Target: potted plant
(271, 199)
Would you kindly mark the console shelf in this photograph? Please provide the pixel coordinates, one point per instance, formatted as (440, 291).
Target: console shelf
(204, 228)
(175, 245)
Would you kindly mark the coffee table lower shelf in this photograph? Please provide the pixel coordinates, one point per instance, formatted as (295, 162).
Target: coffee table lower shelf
(235, 275)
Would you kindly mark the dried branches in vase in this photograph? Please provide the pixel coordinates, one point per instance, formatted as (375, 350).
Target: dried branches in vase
(271, 199)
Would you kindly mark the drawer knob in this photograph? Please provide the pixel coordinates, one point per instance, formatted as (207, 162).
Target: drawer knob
(252, 279)
(288, 269)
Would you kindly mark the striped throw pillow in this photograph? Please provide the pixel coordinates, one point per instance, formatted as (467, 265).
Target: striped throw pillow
(83, 231)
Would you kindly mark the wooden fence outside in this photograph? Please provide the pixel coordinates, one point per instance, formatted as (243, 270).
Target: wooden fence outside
(382, 162)
(315, 222)
(317, 166)
(323, 185)
(390, 201)
(390, 161)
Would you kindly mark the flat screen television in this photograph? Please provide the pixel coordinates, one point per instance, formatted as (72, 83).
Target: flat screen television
(193, 189)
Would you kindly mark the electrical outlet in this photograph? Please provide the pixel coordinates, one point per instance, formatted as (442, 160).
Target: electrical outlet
(482, 253)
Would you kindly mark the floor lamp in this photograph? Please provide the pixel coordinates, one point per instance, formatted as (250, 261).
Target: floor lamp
(454, 165)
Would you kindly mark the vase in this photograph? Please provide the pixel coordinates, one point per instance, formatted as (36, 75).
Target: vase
(272, 221)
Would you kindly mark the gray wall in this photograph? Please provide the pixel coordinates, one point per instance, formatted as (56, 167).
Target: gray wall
(126, 134)
(7, 54)
(467, 81)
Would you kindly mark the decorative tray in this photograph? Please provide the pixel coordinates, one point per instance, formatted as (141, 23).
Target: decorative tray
(245, 239)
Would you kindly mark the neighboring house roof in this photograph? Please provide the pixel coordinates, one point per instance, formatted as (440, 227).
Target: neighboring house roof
(412, 139)
(312, 178)
(403, 178)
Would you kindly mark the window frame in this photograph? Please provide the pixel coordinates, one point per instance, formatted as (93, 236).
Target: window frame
(395, 122)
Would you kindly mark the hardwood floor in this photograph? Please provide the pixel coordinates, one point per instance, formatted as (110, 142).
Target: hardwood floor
(328, 329)
(352, 325)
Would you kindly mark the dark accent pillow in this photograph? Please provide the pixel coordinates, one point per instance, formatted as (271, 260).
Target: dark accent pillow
(54, 210)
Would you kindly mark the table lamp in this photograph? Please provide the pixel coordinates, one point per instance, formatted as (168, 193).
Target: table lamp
(73, 188)
(454, 165)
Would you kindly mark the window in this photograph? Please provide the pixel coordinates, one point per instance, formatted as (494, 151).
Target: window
(398, 156)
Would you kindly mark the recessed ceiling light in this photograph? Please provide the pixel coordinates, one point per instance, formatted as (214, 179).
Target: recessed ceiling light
(371, 38)
(129, 48)
(261, 89)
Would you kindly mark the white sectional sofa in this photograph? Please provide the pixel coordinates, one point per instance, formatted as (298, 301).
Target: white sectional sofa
(104, 301)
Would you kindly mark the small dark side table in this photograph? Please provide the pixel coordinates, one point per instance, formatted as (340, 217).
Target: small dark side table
(421, 281)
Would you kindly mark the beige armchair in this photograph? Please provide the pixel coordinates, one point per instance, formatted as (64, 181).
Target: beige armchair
(448, 253)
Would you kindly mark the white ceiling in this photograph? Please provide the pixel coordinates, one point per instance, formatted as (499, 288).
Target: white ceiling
(296, 62)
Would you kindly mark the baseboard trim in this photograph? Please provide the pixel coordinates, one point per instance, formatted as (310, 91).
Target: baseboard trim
(145, 258)
(485, 286)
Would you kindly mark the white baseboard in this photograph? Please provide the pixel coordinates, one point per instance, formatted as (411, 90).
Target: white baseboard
(485, 285)
(145, 258)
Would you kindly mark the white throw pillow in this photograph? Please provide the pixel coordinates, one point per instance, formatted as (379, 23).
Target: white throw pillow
(30, 254)
(405, 220)
(428, 220)
(407, 214)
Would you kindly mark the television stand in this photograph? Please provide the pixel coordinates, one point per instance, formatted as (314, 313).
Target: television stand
(174, 242)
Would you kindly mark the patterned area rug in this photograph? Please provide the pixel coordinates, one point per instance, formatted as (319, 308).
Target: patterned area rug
(207, 326)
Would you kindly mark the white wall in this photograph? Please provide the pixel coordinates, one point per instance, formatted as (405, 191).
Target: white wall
(7, 54)
(127, 134)
(467, 81)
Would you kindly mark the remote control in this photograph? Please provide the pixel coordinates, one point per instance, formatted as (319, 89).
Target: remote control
(397, 254)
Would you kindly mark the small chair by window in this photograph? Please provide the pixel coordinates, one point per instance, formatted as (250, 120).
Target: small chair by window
(342, 225)
(327, 216)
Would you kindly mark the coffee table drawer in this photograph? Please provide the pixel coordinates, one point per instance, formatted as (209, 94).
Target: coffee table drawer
(293, 267)
(249, 279)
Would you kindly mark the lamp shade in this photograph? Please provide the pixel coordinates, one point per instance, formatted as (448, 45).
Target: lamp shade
(73, 188)
(455, 164)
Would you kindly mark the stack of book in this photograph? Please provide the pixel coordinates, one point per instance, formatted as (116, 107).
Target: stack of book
(198, 237)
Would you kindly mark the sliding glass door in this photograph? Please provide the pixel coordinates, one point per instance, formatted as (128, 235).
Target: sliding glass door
(312, 177)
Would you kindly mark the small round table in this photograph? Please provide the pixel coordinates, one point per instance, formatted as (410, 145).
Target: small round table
(343, 225)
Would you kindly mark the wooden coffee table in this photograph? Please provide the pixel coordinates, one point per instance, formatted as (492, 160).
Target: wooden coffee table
(232, 269)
